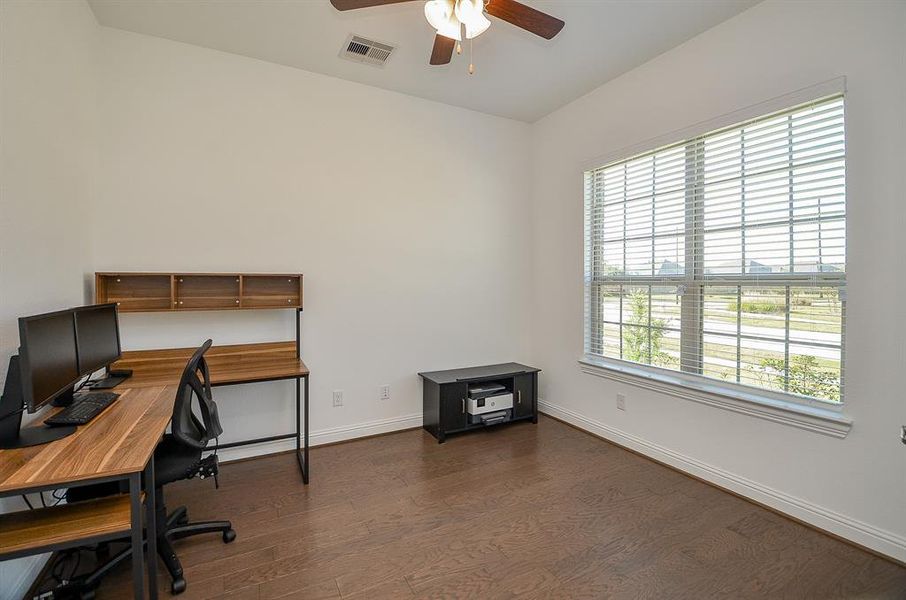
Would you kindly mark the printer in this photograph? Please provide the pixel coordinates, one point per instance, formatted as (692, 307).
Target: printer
(489, 404)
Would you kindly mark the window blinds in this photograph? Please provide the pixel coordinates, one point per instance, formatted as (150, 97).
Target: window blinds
(724, 255)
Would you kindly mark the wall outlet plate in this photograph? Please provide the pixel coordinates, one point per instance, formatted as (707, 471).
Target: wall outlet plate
(338, 397)
(621, 401)
(385, 392)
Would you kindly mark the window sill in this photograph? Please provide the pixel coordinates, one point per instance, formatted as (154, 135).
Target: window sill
(818, 419)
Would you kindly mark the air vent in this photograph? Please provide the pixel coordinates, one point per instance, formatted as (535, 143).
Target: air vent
(363, 50)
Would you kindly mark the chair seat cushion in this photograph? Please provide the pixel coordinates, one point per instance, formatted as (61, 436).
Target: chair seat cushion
(172, 462)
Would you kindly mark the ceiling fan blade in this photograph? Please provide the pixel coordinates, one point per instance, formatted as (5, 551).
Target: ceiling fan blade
(354, 4)
(443, 50)
(525, 17)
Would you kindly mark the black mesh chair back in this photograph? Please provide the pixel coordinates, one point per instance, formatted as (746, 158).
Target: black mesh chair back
(186, 427)
(177, 457)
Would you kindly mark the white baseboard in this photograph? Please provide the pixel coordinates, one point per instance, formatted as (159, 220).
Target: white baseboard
(326, 436)
(20, 573)
(879, 540)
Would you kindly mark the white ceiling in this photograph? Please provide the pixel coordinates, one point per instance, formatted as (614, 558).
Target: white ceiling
(518, 75)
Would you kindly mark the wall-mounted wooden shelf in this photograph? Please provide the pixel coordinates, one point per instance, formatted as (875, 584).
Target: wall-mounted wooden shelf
(155, 292)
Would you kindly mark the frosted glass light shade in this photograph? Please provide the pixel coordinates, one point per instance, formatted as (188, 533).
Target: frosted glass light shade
(477, 26)
(451, 28)
(467, 9)
(439, 12)
(471, 14)
(440, 15)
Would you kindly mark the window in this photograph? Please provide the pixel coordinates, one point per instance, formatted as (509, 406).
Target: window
(723, 256)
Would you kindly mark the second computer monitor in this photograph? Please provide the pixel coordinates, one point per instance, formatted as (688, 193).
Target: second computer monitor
(98, 334)
(48, 356)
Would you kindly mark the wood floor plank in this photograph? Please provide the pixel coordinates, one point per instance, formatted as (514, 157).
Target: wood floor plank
(397, 589)
(531, 511)
(216, 568)
(490, 582)
(325, 590)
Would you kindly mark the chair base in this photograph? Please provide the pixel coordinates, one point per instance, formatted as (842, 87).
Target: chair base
(174, 526)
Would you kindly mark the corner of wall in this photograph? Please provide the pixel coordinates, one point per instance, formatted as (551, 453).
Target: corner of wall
(49, 121)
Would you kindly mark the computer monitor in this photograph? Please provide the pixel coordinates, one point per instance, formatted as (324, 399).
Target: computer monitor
(97, 337)
(49, 359)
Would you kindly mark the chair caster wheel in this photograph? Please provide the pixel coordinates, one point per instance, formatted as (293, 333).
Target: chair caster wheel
(228, 536)
(178, 586)
(89, 595)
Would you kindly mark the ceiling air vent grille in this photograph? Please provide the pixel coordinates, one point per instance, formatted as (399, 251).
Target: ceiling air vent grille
(363, 50)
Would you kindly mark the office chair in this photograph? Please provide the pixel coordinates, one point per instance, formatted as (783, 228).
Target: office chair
(177, 457)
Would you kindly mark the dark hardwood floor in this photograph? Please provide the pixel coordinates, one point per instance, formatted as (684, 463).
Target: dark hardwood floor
(534, 511)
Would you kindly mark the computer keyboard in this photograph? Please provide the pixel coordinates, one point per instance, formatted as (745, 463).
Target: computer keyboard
(83, 410)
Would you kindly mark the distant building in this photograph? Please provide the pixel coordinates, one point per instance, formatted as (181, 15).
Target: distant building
(668, 267)
(752, 266)
(816, 267)
(756, 267)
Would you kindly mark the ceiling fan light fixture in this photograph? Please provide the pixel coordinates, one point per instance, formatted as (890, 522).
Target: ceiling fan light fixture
(477, 26)
(471, 14)
(453, 19)
(438, 12)
(441, 16)
(452, 29)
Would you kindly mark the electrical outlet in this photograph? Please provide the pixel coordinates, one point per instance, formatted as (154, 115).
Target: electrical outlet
(385, 392)
(621, 401)
(338, 397)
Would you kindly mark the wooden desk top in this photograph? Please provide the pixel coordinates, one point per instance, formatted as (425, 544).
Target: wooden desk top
(120, 440)
(241, 363)
(117, 442)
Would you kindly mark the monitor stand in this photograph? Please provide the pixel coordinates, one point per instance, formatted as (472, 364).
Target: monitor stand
(64, 399)
(12, 434)
(29, 436)
(112, 379)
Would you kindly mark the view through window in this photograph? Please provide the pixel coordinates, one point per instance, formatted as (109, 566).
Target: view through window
(724, 256)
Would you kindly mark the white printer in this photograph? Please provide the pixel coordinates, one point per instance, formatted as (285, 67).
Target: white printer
(489, 403)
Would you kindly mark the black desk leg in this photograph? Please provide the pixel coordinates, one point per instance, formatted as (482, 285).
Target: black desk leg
(151, 528)
(138, 563)
(298, 434)
(307, 464)
(302, 449)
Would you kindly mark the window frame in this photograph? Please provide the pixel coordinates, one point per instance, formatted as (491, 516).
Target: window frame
(694, 280)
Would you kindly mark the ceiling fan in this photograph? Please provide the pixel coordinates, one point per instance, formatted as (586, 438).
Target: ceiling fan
(450, 17)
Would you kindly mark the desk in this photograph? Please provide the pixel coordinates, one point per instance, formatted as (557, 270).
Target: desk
(117, 445)
(231, 365)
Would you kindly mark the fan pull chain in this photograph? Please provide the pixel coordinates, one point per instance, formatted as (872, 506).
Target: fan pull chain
(471, 59)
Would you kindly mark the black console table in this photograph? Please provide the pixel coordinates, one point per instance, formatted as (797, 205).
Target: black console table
(446, 396)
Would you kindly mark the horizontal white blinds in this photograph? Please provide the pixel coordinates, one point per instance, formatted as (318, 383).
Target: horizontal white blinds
(724, 255)
(769, 197)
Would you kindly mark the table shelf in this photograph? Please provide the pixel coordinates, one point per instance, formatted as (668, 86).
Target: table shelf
(57, 526)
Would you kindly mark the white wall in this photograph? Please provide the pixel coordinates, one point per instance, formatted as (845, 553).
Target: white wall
(199, 160)
(48, 85)
(408, 218)
(854, 486)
